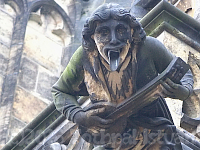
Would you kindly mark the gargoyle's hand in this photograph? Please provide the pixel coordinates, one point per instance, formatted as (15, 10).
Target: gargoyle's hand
(173, 90)
(90, 118)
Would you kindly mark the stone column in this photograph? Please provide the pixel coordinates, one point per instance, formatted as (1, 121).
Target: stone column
(10, 80)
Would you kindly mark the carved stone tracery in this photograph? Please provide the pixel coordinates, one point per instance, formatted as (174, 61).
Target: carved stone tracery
(60, 28)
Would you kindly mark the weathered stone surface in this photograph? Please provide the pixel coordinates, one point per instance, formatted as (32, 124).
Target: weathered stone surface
(16, 127)
(69, 7)
(55, 146)
(67, 54)
(26, 106)
(175, 108)
(5, 28)
(70, 11)
(51, 22)
(3, 64)
(148, 4)
(196, 8)
(5, 113)
(184, 5)
(191, 106)
(61, 134)
(193, 61)
(1, 83)
(4, 50)
(138, 12)
(45, 82)
(43, 50)
(48, 24)
(11, 10)
(4, 57)
(125, 3)
(174, 45)
(28, 74)
(173, 1)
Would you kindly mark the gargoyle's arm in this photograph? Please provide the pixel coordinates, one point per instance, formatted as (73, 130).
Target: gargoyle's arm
(188, 81)
(69, 86)
(161, 58)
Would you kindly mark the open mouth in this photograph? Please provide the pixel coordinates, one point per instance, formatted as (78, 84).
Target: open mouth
(113, 56)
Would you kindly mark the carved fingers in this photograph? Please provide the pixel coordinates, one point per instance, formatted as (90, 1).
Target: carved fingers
(168, 88)
(95, 112)
(98, 121)
(173, 90)
(101, 123)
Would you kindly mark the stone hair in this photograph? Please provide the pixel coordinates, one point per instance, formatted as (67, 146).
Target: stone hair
(104, 13)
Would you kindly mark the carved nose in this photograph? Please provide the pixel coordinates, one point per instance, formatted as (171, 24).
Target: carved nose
(114, 39)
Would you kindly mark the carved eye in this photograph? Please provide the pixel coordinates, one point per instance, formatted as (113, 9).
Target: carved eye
(121, 30)
(104, 32)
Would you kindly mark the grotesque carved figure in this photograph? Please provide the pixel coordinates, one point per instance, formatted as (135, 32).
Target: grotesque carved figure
(116, 59)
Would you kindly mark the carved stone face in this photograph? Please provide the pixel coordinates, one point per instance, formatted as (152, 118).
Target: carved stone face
(113, 39)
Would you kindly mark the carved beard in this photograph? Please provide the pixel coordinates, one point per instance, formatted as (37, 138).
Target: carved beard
(111, 86)
(121, 83)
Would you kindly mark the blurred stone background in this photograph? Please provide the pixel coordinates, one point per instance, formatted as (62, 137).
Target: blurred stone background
(37, 39)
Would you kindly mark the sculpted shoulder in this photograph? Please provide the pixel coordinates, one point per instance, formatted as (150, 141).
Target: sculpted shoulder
(148, 47)
(72, 77)
(74, 68)
(153, 49)
(152, 44)
(156, 48)
(77, 56)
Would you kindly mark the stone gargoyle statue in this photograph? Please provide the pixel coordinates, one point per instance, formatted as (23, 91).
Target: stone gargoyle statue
(127, 75)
